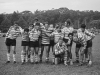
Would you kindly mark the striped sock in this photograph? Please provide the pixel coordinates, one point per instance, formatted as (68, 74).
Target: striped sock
(22, 56)
(14, 59)
(53, 59)
(47, 58)
(8, 56)
(36, 59)
(56, 61)
(26, 59)
(32, 58)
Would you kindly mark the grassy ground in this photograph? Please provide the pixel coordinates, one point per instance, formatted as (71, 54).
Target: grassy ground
(48, 69)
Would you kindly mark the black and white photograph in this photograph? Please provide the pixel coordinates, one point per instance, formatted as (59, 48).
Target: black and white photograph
(49, 37)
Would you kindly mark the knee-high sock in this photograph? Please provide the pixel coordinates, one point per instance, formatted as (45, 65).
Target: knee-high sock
(26, 58)
(53, 59)
(56, 60)
(14, 59)
(22, 56)
(32, 58)
(36, 58)
(8, 56)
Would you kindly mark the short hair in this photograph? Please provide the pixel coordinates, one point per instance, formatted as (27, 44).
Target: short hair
(36, 19)
(83, 26)
(70, 34)
(52, 25)
(59, 30)
(26, 29)
(45, 22)
(75, 31)
(37, 24)
(31, 26)
(15, 22)
(68, 21)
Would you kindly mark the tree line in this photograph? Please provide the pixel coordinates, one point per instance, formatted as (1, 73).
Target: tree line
(54, 16)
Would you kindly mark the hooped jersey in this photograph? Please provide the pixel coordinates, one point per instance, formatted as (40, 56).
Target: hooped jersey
(59, 49)
(25, 36)
(80, 38)
(34, 35)
(51, 31)
(66, 31)
(88, 34)
(13, 32)
(56, 36)
(45, 37)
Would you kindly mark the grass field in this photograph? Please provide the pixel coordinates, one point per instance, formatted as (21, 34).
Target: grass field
(48, 69)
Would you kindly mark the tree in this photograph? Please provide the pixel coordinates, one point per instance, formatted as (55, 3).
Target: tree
(30, 20)
(95, 23)
(6, 23)
(26, 15)
(1, 18)
(14, 17)
(22, 22)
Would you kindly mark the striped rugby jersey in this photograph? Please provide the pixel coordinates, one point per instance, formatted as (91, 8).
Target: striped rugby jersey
(51, 30)
(56, 35)
(34, 35)
(60, 49)
(13, 32)
(30, 27)
(89, 35)
(25, 36)
(66, 31)
(45, 34)
(80, 38)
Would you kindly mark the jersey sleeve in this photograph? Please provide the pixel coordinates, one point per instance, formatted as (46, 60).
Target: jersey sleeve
(89, 34)
(9, 31)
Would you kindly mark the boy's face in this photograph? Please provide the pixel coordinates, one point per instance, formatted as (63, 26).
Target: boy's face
(60, 41)
(36, 27)
(75, 35)
(26, 32)
(15, 25)
(71, 37)
(68, 24)
(41, 25)
(58, 30)
(30, 28)
(36, 21)
(65, 24)
(46, 26)
(51, 26)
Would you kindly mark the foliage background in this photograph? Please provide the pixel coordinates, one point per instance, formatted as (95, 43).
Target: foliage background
(54, 16)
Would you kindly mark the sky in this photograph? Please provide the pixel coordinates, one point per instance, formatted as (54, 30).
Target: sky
(8, 6)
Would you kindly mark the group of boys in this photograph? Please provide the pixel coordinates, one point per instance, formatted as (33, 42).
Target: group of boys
(40, 37)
